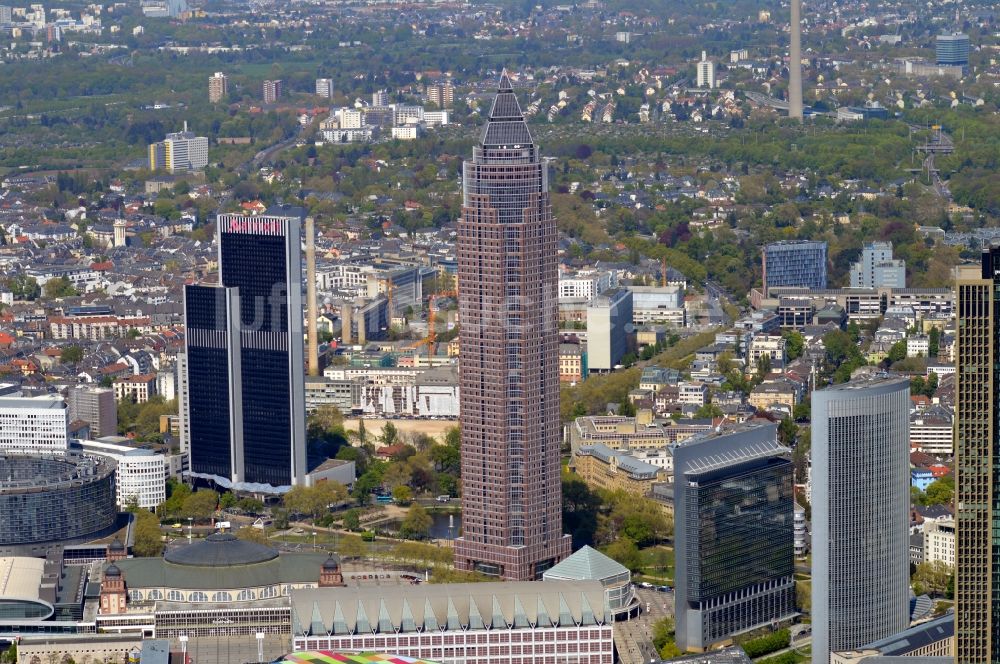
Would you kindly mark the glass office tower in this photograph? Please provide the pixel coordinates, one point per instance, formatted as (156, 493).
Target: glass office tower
(246, 385)
(734, 535)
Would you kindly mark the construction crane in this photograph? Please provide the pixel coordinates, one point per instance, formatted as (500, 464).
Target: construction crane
(431, 339)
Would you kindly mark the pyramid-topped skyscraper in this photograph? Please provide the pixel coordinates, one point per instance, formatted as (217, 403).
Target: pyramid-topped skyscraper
(509, 375)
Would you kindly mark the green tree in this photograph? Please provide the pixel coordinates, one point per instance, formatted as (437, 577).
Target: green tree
(227, 500)
(351, 546)
(932, 578)
(402, 495)
(664, 639)
(314, 500)
(794, 343)
(933, 343)
(352, 520)
(24, 287)
(250, 505)
(355, 454)
(769, 643)
(256, 535)
(625, 552)
(897, 352)
(148, 538)
(71, 354)
(59, 287)
(201, 504)
(416, 524)
(763, 368)
(279, 518)
(390, 435)
(708, 411)
(941, 491)
(173, 506)
(364, 485)
(788, 431)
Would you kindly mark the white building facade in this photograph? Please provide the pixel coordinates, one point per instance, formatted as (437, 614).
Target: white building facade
(38, 424)
(141, 477)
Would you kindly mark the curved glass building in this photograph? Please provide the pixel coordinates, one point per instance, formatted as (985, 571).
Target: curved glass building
(860, 510)
(55, 498)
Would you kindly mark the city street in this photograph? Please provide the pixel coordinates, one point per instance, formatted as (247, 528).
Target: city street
(634, 638)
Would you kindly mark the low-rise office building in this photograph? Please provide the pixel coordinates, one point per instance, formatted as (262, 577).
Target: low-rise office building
(617, 433)
(615, 470)
(140, 475)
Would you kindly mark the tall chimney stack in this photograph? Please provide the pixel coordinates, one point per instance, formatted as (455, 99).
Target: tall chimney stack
(311, 296)
(795, 63)
(345, 324)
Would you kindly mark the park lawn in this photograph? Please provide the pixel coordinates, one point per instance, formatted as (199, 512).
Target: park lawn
(653, 559)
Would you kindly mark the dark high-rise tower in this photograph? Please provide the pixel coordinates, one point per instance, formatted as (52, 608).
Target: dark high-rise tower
(245, 405)
(507, 284)
(977, 451)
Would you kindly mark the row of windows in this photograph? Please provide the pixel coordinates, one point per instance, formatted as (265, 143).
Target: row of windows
(244, 595)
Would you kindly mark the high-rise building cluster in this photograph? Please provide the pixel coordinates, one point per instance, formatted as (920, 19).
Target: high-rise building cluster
(860, 513)
(733, 534)
(977, 446)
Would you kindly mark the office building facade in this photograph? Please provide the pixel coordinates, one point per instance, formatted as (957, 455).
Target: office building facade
(218, 87)
(608, 316)
(96, 406)
(272, 91)
(38, 424)
(324, 87)
(798, 263)
(140, 474)
(509, 361)
(977, 446)
(179, 152)
(860, 513)
(734, 538)
(245, 391)
(952, 50)
(877, 268)
(509, 623)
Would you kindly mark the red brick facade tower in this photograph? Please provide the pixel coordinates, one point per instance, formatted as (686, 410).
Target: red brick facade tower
(113, 592)
(330, 575)
(508, 366)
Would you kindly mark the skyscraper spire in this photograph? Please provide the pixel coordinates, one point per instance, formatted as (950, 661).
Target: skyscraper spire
(505, 126)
